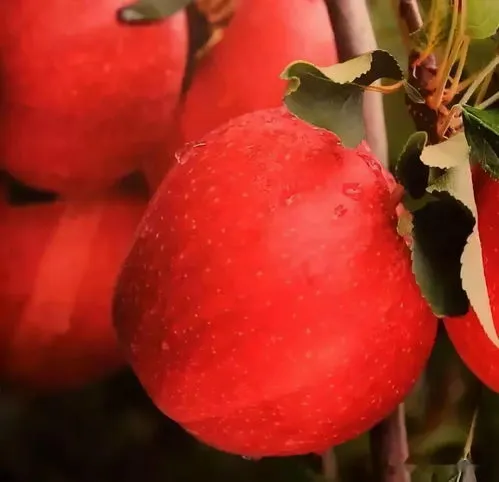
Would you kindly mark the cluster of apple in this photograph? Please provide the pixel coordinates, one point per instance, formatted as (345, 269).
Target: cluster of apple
(263, 296)
(268, 303)
(85, 102)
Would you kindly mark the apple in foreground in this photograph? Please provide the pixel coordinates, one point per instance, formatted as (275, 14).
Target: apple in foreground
(85, 99)
(268, 304)
(58, 265)
(466, 333)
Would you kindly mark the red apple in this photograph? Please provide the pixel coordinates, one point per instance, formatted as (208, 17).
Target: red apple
(155, 168)
(242, 72)
(86, 99)
(466, 333)
(58, 265)
(268, 304)
(480, 177)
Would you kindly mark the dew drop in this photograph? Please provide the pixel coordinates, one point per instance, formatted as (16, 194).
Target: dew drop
(353, 190)
(251, 459)
(181, 154)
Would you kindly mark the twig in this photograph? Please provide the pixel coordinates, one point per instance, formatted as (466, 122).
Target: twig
(354, 35)
(478, 81)
(389, 448)
(330, 466)
(423, 76)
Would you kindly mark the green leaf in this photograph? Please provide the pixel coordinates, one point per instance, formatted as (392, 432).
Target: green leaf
(331, 97)
(150, 11)
(440, 231)
(410, 170)
(481, 128)
(446, 252)
(457, 182)
(482, 18)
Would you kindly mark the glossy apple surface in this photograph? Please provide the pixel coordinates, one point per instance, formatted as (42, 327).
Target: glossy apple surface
(268, 304)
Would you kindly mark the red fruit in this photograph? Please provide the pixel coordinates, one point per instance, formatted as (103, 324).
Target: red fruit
(466, 333)
(86, 99)
(155, 168)
(241, 73)
(58, 265)
(480, 177)
(268, 304)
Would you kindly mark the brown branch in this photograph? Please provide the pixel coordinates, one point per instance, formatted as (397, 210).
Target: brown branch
(330, 471)
(354, 35)
(390, 448)
(423, 76)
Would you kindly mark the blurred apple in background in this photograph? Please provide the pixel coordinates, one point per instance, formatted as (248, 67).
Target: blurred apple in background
(85, 98)
(58, 265)
(241, 73)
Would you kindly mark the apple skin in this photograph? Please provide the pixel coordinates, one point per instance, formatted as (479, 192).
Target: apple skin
(58, 265)
(86, 99)
(242, 72)
(465, 332)
(268, 304)
(479, 176)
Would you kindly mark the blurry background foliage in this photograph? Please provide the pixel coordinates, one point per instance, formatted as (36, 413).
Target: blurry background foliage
(111, 431)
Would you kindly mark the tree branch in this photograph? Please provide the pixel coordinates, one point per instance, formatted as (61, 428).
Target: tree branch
(354, 36)
(424, 118)
(330, 466)
(390, 449)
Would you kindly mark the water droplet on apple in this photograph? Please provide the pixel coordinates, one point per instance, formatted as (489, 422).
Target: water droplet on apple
(353, 190)
(252, 459)
(181, 154)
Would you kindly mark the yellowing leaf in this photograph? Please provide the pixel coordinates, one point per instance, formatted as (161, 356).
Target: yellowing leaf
(451, 153)
(457, 181)
(331, 97)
